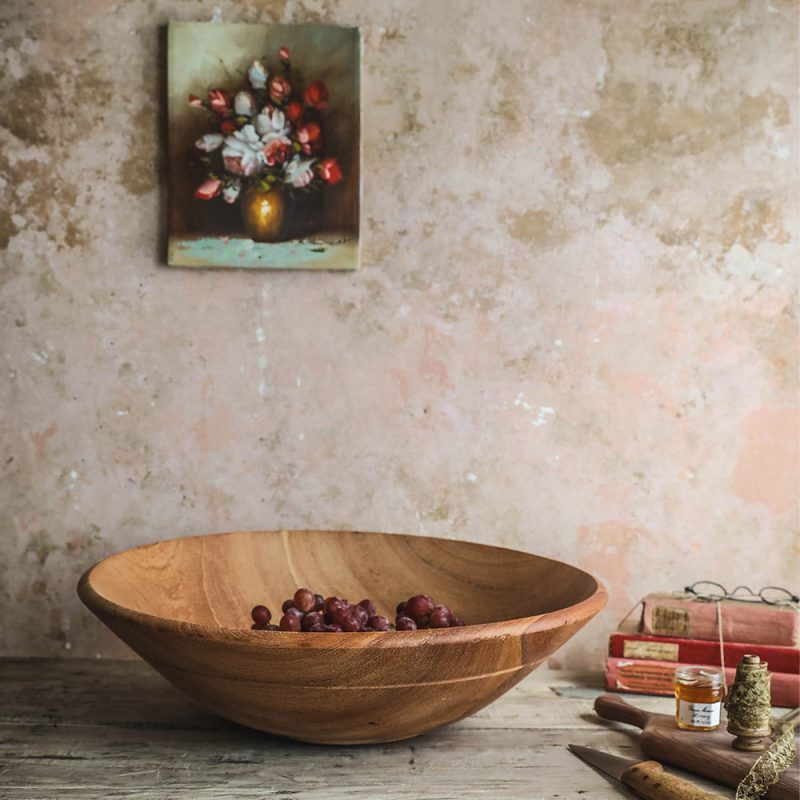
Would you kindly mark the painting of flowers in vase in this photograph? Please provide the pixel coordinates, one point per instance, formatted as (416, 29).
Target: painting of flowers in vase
(264, 146)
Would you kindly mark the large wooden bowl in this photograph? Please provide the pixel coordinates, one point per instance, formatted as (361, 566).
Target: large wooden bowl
(184, 606)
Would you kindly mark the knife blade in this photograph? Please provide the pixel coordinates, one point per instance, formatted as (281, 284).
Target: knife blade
(646, 778)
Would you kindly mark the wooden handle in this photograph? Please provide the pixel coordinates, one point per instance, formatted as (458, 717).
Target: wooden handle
(609, 706)
(649, 780)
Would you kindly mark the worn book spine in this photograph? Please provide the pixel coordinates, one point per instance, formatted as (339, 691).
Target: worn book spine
(625, 644)
(641, 676)
(684, 617)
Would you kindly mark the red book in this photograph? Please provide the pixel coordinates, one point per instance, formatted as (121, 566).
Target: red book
(683, 616)
(628, 643)
(658, 677)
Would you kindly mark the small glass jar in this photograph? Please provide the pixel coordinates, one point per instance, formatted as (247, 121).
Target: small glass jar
(698, 698)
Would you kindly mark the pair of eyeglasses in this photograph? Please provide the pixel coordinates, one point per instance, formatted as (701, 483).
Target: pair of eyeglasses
(773, 595)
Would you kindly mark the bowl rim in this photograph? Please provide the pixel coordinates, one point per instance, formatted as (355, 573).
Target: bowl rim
(582, 611)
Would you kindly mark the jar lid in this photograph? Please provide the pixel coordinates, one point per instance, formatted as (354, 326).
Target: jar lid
(699, 676)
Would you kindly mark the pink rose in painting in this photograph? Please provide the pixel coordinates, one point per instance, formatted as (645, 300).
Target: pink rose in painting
(207, 189)
(294, 112)
(195, 101)
(316, 95)
(309, 137)
(279, 88)
(277, 151)
(329, 171)
(219, 100)
(284, 54)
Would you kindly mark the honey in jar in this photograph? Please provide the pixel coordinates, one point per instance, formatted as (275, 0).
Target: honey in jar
(698, 698)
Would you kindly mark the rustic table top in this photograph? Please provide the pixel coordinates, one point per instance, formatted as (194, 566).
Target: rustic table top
(73, 728)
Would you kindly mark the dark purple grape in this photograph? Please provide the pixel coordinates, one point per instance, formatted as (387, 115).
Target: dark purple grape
(261, 615)
(332, 629)
(400, 611)
(440, 617)
(423, 622)
(369, 606)
(420, 605)
(339, 615)
(317, 629)
(359, 613)
(304, 600)
(287, 604)
(311, 619)
(295, 611)
(290, 622)
(379, 622)
(350, 624)
(332, 605)
(456, 622)
(319, 602)
(406, 624)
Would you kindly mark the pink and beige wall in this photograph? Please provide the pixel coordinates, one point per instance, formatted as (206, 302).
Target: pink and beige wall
(575, 329)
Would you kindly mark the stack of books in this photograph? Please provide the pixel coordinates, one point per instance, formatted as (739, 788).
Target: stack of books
(676, 630)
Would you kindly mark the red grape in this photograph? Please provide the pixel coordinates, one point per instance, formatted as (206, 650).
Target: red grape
(290, 622)
(332, 629)
(311, 619)
(287, 604)
(400, 611)
(304, 600)
(440, 617)
(369, 607)
(319, 602)
(457, 622)
(406, 624)
(359, 613)
(419, 606)
(378, 622)
(350, 624)
(261, 615)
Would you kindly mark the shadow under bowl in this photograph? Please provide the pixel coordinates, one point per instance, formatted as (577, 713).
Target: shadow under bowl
(184, 606)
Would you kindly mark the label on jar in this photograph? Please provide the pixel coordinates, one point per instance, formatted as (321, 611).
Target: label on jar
(699, 715)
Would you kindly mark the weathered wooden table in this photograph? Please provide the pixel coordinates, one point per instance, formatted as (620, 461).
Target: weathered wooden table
(111, 729)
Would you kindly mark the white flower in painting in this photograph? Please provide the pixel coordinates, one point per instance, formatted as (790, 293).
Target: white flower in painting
(243, 104)
(257, 75)
(243, 152)
(231, 191)
(271, 124)
(209, 142)
(298, 171)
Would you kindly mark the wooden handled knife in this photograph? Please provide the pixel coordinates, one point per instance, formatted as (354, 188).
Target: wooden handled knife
(646, 778)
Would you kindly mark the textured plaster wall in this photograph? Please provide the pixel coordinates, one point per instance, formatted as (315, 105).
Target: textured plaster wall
(575, 330)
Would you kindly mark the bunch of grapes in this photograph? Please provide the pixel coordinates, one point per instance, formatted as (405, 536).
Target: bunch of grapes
(314, 613)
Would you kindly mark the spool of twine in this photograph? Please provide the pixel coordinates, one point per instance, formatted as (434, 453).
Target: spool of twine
(748, 704)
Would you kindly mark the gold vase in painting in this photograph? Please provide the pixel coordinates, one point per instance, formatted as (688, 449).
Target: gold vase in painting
(263, 212)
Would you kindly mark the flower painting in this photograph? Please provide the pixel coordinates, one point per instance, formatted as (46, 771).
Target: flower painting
(264, 146)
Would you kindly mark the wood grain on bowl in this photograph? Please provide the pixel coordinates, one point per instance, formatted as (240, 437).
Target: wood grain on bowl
(184, 606)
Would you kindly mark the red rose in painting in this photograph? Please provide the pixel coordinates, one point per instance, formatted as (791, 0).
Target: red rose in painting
(228, 126)
(329, 171)
(284, 54)
(279, 88)
(208, 189)
(219, 100)
(294, 112)
(316, 95)
(309, 137)
(277, 151)
(195, 101)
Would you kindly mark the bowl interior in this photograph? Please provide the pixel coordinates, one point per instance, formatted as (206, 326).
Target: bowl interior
(215, 580)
